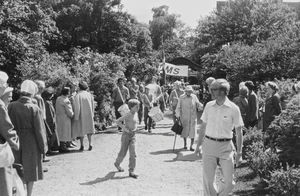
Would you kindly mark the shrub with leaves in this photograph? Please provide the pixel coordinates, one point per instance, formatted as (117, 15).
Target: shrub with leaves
(285, 182)
(252, 135)
(261, 161)
(284, 133)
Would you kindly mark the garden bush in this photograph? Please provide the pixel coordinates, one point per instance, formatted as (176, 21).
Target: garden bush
(251, 135)
(284, 133)
(261, 161)
(285, 182)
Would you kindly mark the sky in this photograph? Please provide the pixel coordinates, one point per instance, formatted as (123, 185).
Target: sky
(190, 11)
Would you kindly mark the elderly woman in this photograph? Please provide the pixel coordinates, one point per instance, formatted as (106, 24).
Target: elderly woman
(53, 141)
(272, 104)
(83, 121)
(174, 96)
(27, 119)
(6, 135)
(242, 102)
(64, 114)
(186, 110)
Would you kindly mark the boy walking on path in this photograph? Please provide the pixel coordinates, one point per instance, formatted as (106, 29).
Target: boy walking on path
(129, 128)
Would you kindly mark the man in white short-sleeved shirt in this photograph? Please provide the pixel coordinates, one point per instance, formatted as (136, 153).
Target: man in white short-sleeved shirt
(219, 118)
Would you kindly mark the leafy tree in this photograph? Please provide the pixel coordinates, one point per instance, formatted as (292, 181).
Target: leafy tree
(24, 27)
(143, 42)
(162, 25)
(245, 21)
(95, 24)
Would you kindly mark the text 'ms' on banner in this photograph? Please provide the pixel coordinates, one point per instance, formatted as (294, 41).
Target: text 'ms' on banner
(176, 70)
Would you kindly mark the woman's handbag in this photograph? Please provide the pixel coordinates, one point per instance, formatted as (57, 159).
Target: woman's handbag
(6, 155)
(18, 186)
(177, 127)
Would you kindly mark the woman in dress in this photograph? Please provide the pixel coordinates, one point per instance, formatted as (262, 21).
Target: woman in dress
(29, 124)
(64, 114)
(7, 134)
(186, 110)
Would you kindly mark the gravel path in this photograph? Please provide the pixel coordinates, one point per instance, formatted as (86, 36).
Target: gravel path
(93, 173)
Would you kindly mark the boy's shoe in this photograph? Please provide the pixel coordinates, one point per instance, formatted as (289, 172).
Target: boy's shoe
(120, 169)
(90, 148)
(149, 131)
(146, 127)
(133, 175)
(192, 149)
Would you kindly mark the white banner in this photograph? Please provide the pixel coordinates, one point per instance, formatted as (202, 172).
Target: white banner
(175, 70)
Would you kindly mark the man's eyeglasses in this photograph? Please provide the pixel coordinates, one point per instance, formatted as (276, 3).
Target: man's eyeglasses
(215, 89)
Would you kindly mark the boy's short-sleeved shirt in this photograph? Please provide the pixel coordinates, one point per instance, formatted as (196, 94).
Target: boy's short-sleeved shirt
(221, 119)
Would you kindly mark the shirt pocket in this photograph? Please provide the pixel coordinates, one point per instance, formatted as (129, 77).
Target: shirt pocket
(227, 122)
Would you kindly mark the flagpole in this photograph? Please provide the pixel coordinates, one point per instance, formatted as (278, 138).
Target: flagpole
(164, 62)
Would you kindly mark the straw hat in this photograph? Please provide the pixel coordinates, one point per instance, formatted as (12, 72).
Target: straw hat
(189, 89)
(29, 87)
(7, 90)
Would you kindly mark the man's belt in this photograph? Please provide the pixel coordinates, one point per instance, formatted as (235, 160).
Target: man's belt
(218, 139)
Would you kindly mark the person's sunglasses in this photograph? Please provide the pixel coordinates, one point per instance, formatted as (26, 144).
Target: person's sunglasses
(215, 89)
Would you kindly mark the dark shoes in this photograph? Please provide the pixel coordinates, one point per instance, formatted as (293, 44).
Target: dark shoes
(146, 127)
(120, 169)
(192, 149)
(133, 175)
(46, 159)
(149, 131)
(81, 148)
(90, 148)
(63, 149)
(185, 148)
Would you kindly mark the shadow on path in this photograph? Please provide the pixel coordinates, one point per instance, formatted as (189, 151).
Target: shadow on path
(155, 133)
(57, 153)
(169, 151)
(109, 176)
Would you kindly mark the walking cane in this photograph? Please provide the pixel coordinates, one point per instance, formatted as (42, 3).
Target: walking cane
(174, 142)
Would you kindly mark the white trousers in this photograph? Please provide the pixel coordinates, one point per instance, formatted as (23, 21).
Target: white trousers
(215, 153)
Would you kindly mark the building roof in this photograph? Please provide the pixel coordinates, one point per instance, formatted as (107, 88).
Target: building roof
(185, 61)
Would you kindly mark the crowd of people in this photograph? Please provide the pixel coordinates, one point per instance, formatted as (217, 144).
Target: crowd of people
(38, 123)
(35, 126)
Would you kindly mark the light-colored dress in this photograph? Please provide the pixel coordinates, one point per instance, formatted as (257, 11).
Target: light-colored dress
(186, 109)
(64, 114)
(83, 122)
(9, 135)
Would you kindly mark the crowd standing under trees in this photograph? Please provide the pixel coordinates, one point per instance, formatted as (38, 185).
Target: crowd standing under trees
(66, 42)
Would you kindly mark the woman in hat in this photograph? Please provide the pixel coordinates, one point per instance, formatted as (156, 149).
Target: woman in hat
(28, 122)
(64, 115)
(83, 121)
(272, 104)
(186, 112)
(7, 134)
